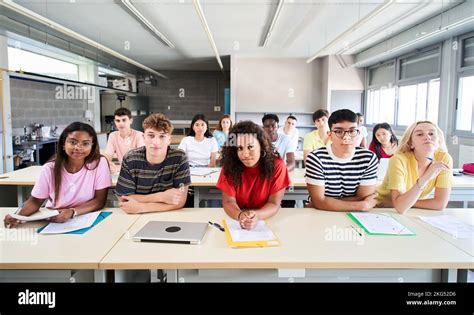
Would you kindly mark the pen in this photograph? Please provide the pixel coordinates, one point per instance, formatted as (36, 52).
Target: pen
(16, 212)
(431, 159)
(360, 234)
(217, 226)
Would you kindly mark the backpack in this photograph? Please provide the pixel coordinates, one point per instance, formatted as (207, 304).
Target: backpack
(468, 168)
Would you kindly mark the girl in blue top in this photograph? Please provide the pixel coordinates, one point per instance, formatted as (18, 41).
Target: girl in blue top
(222, 131)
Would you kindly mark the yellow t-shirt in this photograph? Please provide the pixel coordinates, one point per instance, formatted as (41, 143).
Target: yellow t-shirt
(402, 174)
(312, 141)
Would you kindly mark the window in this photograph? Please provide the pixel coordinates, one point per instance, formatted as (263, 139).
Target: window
(465, 104)
(381, 106)
(30, 62)
(408, 96)
(465, 91)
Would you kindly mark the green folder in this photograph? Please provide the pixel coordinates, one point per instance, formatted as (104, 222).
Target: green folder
(353, 218)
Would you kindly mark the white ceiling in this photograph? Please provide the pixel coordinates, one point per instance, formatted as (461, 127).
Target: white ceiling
(238, 27)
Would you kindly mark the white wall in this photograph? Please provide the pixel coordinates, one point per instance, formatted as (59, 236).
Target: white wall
(342, 77)
(275, 85)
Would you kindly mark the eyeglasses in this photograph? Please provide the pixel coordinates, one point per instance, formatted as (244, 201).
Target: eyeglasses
(75, 143)
(340, 133)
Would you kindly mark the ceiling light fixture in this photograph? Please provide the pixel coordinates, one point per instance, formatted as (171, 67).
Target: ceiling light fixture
(58, 27)
(148, 24)
(353, 28)
(272, 24)
(199, 11)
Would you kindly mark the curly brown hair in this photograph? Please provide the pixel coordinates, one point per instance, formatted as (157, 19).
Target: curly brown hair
(231, 164)
(159, 122)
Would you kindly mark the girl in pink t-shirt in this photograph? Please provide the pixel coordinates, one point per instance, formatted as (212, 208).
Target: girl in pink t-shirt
(75, 182)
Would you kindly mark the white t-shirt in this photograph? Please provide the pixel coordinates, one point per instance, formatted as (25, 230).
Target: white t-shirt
(198, 153)
(363, 133)
(294, 136)
(283, 145)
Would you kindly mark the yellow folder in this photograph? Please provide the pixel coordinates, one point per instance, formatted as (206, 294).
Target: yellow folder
(247, 244)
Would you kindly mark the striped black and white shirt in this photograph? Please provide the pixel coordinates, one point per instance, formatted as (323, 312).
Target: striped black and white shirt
(138, 176)
(341, 177)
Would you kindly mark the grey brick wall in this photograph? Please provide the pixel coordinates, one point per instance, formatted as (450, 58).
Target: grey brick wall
(202, 91)
(33, 101)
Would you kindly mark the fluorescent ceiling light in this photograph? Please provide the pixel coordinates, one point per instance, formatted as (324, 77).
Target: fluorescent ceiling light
(354, 27)
(275, 17)
(199, 11)
(58, 27)
(148, 24)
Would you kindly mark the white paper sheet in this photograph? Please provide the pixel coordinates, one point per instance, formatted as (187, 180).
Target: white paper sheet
(260, 233)
(42, 214)
(202, 171)
(451, 225)
(378, 223)
(77, 223)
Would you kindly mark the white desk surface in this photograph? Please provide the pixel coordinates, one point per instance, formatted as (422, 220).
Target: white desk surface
(24, 248)
(466, 215)
(28, 177)
(305, 243)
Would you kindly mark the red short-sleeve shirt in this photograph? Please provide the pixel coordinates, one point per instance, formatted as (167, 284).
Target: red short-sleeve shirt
(254, 192)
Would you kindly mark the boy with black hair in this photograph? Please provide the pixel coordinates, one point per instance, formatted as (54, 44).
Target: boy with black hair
(342, 176)
(281, 142)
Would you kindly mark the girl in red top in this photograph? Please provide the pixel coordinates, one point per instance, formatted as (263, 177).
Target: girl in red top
(253, 178)
(384, 141)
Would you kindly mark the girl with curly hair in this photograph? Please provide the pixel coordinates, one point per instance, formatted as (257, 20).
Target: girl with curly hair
(253, 178)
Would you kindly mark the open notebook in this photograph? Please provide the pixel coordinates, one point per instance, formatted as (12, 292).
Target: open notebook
(260, 236)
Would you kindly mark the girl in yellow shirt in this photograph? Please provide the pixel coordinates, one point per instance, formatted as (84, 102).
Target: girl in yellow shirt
(421, 164)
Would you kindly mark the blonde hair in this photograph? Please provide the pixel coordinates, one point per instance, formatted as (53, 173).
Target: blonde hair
(405, 143)
(159, 122)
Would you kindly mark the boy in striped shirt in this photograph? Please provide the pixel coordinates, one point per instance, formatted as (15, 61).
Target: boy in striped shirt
(154, 177)
(341, 176)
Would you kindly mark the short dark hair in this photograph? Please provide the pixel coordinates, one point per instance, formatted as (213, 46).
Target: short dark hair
(320, 113)
(359, 115)
(291, 117)
(197, 117)
(270, 116)
(341, 116)
(122, 111)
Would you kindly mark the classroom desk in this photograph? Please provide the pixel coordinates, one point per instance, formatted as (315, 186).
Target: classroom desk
(205, 186)
(299, 159)
(467, 216)
(315, 246)
(26, 255)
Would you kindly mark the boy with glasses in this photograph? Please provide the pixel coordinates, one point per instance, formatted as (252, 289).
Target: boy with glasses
(342, 176)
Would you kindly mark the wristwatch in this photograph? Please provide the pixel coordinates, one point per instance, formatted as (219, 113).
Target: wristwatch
(74, 212)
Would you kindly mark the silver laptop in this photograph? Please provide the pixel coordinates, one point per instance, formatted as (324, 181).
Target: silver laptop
(172, 232)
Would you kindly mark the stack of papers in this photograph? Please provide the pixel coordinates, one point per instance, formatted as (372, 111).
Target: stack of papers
(451, 225)
(379, 224)
(41, 214)
(77, 225)
(260, 236)
(202, 171)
